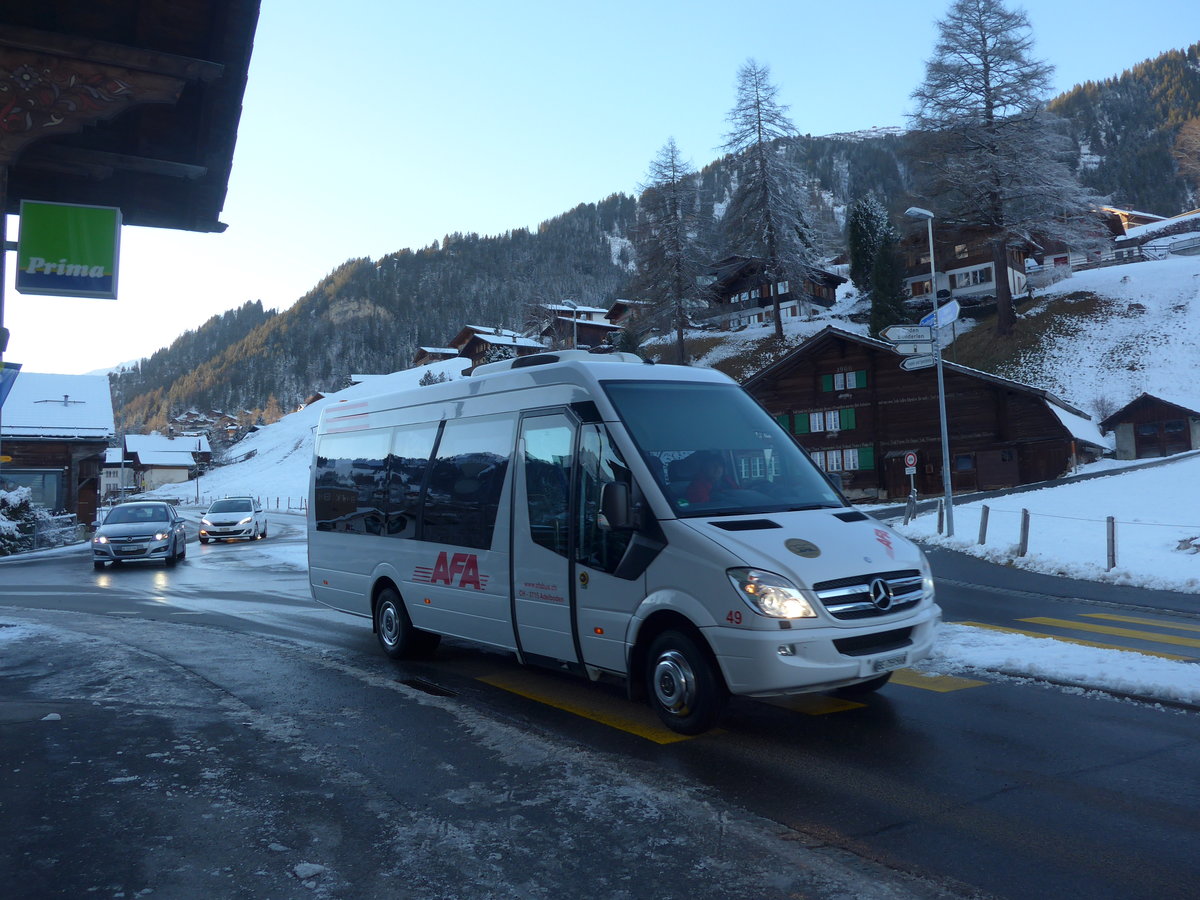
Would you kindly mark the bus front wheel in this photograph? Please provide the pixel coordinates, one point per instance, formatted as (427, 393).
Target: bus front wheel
(397, 636)
(683, 685)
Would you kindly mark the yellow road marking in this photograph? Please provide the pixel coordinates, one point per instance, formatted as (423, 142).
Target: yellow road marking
(940, 683)
(813, 704)
(1118, 632)
(1178, 626)
(1068, 640)
(585, 701)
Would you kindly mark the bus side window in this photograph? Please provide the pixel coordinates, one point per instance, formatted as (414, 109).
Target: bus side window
(465, 481)
(548, 442)
(599, 464)
(407, 465)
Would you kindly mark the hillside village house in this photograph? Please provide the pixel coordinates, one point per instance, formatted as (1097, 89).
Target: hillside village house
(1151, 426)
(116, 477)
(572, 324)
(479, 342)
(741, 294)
(964, 264)
(56, 429)
(851, 406)
(160, 459)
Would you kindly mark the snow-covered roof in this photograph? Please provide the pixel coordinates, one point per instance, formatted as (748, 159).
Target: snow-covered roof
(114, 456)
(510, 340)
(1082, 428)
(58, 406)
(559, 307)
(166, 459)
(1140, 231)
(147, 443)
(444, 350)
(571, 321)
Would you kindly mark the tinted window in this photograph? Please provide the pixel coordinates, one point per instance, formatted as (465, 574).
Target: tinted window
(548, 455)
(124, 515)
(350, 481)
(599, 463)
(406, 468)
(231, 506)
(464, 485)
(715, 451)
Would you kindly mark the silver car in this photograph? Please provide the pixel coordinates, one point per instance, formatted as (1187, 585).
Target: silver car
(145, 529)
(233, 518)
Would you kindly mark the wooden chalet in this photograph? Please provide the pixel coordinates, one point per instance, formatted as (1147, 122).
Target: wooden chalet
(1150, 426)
(479, 342)
(964, 264)
(622, 311)
(741, 294)
(849, 404)
(427, 355)
(55, 429)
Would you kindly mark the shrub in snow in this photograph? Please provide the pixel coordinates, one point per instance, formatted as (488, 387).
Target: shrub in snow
(18, 516)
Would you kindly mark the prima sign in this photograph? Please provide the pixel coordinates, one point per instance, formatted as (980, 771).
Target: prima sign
(68, 250)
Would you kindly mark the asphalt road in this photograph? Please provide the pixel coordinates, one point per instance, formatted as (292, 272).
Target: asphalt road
(219, 735)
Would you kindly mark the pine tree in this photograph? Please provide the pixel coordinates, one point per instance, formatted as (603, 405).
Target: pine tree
(669, 254)
(765, 217)
(1000, 161)
(887, 286)
(867, 227)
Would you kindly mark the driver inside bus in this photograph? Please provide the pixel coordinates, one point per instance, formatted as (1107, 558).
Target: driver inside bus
(710, 479)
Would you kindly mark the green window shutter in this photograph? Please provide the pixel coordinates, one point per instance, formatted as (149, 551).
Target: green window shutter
(827, 382)
(782, 419)
(866, 457)
(801, 426)
(860, 378)
(847, 419)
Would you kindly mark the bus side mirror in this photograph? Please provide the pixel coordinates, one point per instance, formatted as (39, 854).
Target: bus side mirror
(615, 511)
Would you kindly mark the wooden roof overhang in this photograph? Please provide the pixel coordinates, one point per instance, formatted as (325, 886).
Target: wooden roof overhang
(127, 103)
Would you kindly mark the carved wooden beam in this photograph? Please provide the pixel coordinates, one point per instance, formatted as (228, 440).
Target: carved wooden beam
(51, 85)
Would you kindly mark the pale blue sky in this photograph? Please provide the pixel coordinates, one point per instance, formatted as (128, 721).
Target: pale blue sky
(371, 125)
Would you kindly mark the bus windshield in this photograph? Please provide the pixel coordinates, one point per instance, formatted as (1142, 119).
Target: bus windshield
(714, 451)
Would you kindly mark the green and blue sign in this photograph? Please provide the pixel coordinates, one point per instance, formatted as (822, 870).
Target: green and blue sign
(68, 250)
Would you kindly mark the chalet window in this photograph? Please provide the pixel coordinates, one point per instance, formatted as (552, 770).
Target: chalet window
(964, 462)
(960, 251)
(833, 460)
(781, 287)
(1175, 426)
(816, 422)
(920, 288)
(844, 381)
(972, 277)
(1146, 429)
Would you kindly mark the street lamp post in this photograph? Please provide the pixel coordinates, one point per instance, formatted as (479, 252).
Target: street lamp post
(574, 307)
(915, 212)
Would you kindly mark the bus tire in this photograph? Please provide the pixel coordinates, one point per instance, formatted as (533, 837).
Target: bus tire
(683, 685)
(394, 629)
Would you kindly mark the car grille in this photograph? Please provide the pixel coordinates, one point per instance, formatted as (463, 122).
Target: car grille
(879, 642)
(871, 595)
(131, 539)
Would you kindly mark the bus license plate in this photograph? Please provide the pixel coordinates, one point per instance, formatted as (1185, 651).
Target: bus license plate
(888, 663)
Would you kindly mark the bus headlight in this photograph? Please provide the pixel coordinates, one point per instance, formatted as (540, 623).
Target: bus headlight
(926, 577)
(770, 594)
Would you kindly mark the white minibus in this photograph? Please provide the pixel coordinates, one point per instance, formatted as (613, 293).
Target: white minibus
(650, 523)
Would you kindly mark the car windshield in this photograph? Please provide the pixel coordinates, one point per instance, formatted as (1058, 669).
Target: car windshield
(231, 506)
(714, 451)
(125, 515)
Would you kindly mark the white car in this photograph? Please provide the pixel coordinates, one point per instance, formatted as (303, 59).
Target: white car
(234, 518)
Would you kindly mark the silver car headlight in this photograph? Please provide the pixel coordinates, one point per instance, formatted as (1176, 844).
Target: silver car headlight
(99, 539)
(246, 521)
(161, 535)
(206, 523)
(770, 594)
(926, 577)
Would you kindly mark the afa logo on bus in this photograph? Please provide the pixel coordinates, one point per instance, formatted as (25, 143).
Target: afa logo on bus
(457, 570)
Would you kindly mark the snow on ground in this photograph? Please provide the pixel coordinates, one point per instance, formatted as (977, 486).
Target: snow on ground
(1155, 509)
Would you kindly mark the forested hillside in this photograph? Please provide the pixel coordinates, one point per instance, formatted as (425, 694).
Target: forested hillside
(371, 315)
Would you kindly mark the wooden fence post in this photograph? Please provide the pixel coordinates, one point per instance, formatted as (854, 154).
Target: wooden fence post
(983, 519)
(1112, 543)
(1024, 545)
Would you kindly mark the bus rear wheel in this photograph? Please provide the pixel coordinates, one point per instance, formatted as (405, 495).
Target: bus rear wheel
(683, 684)
(397, 636)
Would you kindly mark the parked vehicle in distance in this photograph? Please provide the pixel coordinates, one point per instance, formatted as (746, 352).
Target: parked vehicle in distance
(233, 518)
(646, 523)
(142, 530)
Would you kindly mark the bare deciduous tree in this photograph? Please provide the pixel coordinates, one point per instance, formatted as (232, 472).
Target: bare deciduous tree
(765, 217)
(999, 160)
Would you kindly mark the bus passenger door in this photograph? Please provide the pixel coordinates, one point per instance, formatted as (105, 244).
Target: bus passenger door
(543, 614)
